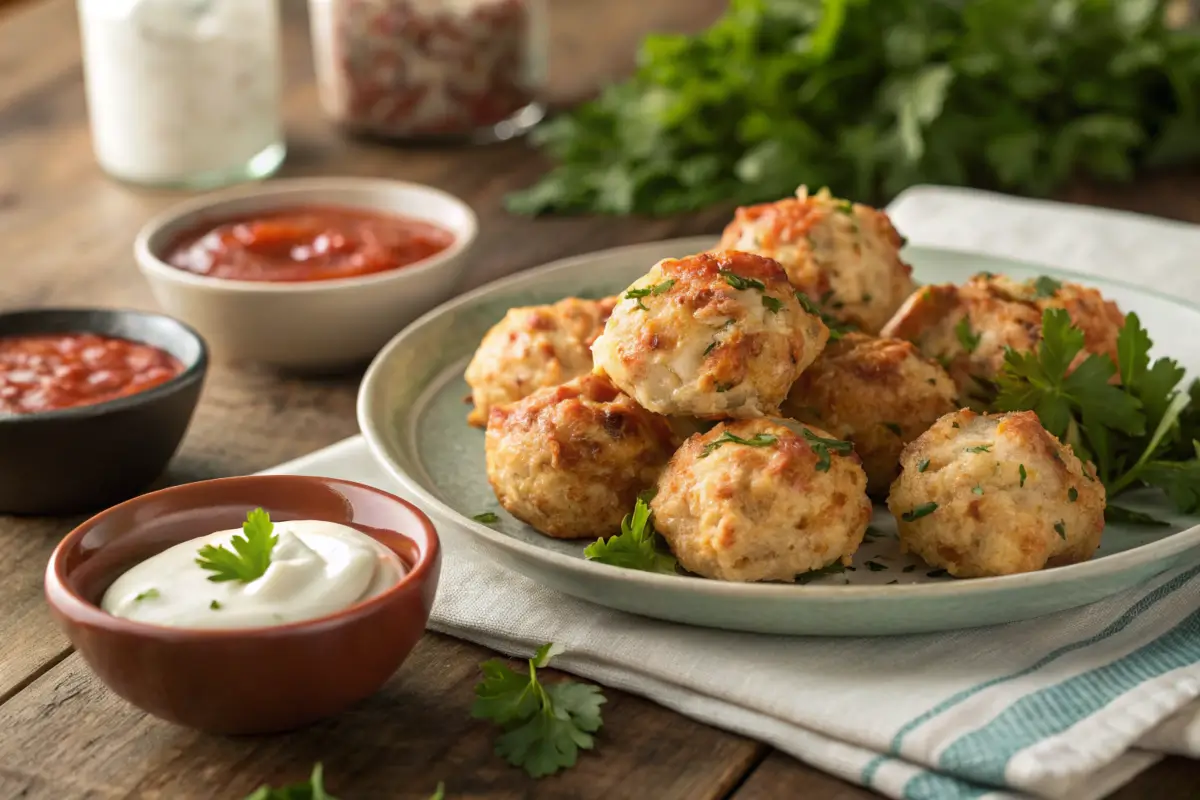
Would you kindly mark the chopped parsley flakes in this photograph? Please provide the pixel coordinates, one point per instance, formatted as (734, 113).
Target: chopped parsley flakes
(923, 510)
(757, 440)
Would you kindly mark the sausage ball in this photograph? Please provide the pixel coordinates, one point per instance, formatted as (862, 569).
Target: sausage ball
(762, 500)
(878, 393)
(570, 460)
(532, 348)
(845, 256)
(968, 327)
(712, 335)
(995, 494)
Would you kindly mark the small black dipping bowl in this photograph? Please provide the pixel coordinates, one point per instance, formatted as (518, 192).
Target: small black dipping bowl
(83, 458)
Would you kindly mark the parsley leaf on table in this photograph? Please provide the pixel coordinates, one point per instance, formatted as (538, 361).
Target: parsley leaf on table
(312, 789)
(251, 554)
(545, 726)
(635, 547)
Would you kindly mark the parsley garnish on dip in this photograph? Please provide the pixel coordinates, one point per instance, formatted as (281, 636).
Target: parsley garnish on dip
(264, 574)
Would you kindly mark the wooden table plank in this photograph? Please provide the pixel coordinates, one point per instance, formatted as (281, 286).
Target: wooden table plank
(398, 744)
(65, 234)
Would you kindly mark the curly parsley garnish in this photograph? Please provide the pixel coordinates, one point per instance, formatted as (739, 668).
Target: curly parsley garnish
(1144, 430)
(656, 289)
(966, 337)
(740, 283)
(757, 440)
(923, 510)
(635, 547)
(823, 447)
(251, 554)
(545, 725)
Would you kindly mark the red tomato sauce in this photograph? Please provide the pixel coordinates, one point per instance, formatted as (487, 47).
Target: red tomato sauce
(47, 372)
(310, 243)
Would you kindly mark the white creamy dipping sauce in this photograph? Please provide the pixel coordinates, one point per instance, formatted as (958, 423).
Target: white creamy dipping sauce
(316, 568)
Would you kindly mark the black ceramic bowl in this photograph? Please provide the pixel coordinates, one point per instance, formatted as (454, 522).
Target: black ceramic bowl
(78, 459)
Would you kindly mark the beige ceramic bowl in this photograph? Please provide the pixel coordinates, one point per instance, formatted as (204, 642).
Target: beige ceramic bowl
(316, 325)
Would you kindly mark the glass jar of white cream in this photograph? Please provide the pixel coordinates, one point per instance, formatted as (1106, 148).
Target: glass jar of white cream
(183, 93)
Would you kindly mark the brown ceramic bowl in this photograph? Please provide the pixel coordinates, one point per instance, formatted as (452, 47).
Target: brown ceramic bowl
(252, 680)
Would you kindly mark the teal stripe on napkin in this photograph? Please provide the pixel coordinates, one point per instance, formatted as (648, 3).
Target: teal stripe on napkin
(983, 755)
(1121, 623)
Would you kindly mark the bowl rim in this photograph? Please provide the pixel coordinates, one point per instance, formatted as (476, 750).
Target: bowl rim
(276, 194)
(70, 604)
(192, 372)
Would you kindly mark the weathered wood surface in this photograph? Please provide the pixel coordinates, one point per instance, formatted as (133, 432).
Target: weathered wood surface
(65, 236)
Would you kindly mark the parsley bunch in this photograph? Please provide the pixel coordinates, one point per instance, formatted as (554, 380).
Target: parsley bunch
(871, 96)
(1139, 431)
(545, 725)
(636, 547)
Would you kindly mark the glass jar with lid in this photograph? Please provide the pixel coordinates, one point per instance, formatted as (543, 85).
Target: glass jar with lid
(183, 93)
(420, 69)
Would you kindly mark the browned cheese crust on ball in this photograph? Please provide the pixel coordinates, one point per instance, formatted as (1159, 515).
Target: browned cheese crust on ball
(712, 335)
(845, 256)
(570, 460)
(995, 494)
(878, 393)
(738, 512)
(968, 327)
(532, 348)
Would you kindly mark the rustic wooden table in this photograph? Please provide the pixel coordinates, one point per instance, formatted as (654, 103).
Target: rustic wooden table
(65, 235)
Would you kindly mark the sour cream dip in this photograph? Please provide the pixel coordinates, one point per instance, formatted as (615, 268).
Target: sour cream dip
(317, 568)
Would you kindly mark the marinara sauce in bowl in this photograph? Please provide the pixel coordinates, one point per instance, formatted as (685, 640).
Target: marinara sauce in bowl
(312, 274)
(93, 404)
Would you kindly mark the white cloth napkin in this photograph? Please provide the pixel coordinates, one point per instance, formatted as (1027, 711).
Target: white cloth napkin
(1068, 706)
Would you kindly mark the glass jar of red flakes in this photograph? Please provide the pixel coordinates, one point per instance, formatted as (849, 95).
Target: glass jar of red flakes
(420, 69)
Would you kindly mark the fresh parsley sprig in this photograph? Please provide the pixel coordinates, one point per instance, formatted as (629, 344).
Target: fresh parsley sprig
(1021, 95)
(635, 547)
(545, 725)
(251, 554)
(1136, 431)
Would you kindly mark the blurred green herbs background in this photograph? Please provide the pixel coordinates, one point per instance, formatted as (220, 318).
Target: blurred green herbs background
(870, 96)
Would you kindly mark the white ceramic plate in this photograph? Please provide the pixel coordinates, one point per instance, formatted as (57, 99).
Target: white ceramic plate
(412, 413)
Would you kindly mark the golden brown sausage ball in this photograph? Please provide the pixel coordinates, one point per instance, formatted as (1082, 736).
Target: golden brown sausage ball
(762, 500)
(968, 327)
(845, 256)
(711, 335)
(995, 494)
(532, 348)
(570, 460)
(878, 393)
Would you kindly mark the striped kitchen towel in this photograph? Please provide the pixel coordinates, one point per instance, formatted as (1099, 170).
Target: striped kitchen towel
(1068, 706)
